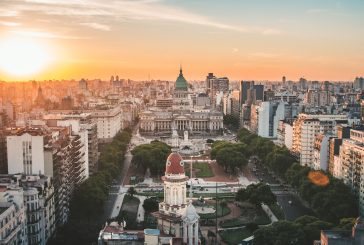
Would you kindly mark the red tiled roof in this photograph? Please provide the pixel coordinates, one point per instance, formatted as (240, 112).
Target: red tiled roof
(173, 165)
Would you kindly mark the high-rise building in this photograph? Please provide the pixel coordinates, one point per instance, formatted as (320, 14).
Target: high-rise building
(244, 88)
(317, 98)
(266, 116)
(13, 217)
(259, 92)
(321, 152)
(359, 83)
(40, 203)
(53, 152)
(306, 127)
(352, 160)
(216, 85)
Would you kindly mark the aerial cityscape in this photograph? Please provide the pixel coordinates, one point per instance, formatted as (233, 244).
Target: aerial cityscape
(167, 122)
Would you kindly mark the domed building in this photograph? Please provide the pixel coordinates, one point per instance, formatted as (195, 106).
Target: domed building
(176, 216)
(182, 115)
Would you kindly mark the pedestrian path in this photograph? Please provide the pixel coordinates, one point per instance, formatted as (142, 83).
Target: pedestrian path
(117, 206)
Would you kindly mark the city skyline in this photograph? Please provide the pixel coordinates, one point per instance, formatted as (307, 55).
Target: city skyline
(145, 39)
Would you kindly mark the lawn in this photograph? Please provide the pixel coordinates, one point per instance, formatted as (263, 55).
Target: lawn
(201, 169)
(129, 211)
(249, 214)
(220, 212)
(235, 236)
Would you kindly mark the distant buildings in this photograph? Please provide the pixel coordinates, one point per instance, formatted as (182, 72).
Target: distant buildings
(215, 85)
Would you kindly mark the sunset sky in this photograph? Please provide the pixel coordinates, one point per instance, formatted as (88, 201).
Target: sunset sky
(240, 39)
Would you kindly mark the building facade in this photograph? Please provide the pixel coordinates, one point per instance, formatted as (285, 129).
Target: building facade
(182, 116)
(306, 127)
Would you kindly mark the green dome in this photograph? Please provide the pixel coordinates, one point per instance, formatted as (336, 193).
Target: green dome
(181, 83)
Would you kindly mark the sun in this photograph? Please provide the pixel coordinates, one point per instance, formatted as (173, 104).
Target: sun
(21, 56)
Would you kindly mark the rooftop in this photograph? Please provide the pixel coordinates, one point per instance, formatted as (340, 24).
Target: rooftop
(331, 234)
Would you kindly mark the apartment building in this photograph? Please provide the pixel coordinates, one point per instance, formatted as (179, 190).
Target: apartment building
(305, 129)
(40, 203)
(12, 216)
(321, 152)
(285, 133)
(352, 162)
(108, 120)
(53, 152)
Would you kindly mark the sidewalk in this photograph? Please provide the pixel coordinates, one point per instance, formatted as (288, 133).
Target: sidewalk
(117, 206)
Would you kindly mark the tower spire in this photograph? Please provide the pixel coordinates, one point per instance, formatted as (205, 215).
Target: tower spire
(180, 69)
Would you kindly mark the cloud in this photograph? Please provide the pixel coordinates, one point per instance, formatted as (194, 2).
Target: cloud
(235, 50)
(121, 10)
(41, 34)
(8, 13)
(97, 26)
(8, 23)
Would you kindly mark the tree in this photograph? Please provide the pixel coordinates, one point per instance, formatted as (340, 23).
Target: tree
(257, 194)
(280, 233)
(223, 205)
(150, 205)
(152, 156)
(346, 224)
(252, 227)
(232, 121)
(230, 159)
(132, 191)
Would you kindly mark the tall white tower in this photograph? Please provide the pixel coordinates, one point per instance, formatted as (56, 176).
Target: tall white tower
(174, 185)
(176, 216)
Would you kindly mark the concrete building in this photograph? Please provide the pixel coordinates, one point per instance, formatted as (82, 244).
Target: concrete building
(216, 85)
(114, 234)
(164, 103)
(359, 83)
(83, 125)
(108, 120)
(285, 133)
(317, 98)
(244, 87)
(53, 152)
(40, 203)
(306, 127)
(351, 160)
(321, 152)
(12, 216)
(285, 96)
(265, 117)
(348, 237)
